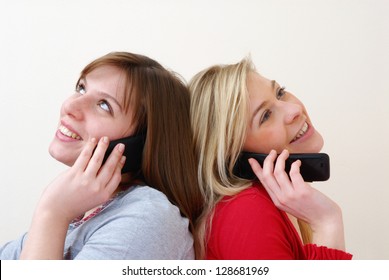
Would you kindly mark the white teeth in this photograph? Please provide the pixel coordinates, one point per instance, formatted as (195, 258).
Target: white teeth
(302, 131)
(65, 131)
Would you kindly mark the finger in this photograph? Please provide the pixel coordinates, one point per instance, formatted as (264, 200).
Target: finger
(280, 163)
(258, 171)
(97, 158)
(280, 173)
(295, 175)
(85, 155)
(256, 167)
(266, 176)
(268, 164)
(271, 157)
(268, 171)
(113, 162)
(116, 177)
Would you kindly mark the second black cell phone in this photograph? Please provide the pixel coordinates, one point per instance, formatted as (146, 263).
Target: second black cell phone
(314, 166)
(133, 151)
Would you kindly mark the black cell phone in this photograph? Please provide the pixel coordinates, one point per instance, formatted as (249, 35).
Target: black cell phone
(133, 151)
(314, 166)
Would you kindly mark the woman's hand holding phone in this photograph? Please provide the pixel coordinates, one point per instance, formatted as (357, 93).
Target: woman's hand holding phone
(84, 186)
(298, 198)
(88, 183)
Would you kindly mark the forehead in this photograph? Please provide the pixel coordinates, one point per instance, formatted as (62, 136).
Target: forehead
(107, 79)
(259, 86)
(106, 76)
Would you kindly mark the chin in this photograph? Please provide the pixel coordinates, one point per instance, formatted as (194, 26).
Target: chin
(60, 155)
(318, 145)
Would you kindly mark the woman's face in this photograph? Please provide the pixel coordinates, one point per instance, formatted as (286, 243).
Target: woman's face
(278, 120)
(94, 111)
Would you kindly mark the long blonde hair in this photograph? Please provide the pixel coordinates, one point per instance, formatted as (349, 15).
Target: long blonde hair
(219, 114)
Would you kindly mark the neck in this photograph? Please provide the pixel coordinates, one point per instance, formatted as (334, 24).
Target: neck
(127, 181)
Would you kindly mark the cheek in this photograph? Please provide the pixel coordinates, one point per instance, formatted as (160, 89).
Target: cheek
(112, 130)
(97, 127)
(265, 141)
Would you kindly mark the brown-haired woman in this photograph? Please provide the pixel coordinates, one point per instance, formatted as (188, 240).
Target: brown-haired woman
(95, 211)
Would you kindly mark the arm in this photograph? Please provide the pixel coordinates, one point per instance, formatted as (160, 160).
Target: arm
(299, 199)
(81, 188)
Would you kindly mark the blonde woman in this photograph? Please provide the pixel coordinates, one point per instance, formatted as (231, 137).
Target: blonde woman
(234, 109)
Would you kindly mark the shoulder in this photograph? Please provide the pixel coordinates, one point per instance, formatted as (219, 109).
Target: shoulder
(251, 200)
(251, 204)
(156, 224)
(249, 226)
(147, 207)
(11, 250)
(141, 198)
(140, 223)
(142, 192)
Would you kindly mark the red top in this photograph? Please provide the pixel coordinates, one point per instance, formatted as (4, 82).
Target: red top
(249, 226)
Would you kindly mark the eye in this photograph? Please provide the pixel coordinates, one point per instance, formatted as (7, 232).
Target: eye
(103, 104)
(265, 116)
(80, 88)
(280, 92)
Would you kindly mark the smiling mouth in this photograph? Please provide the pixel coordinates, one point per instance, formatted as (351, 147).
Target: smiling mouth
(65, 131)
(301, 133)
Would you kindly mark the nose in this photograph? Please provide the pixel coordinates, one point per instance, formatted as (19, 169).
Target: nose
(75, 107)
(292, 111)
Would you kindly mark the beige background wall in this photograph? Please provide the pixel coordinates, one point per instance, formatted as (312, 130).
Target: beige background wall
(333, 54)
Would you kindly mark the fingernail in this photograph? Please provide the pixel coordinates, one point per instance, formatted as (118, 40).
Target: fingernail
(123, 160)
(121, 147)
(105, 139)
(93, 140)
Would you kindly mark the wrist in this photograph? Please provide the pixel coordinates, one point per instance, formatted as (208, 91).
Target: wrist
(51, 215)
(46, 236)
(329, 231)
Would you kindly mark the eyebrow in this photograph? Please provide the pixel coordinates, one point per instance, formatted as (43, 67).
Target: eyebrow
(104, 94)
(263, 104)
(108, 96)
(273, 84)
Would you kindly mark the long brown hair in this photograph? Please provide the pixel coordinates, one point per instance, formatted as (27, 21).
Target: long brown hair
(160, 104)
